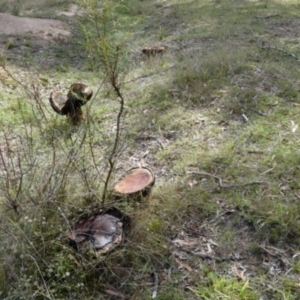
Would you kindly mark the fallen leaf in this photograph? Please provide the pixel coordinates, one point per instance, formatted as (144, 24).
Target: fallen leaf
(238, 273)
(184, 265)
(75, 260)
(185, 243)
(115, 293)
(294, 126)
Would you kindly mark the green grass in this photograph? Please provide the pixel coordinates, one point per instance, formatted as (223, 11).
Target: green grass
(216, 118)
(220, 287)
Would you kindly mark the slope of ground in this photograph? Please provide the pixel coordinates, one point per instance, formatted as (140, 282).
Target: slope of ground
(215, 117)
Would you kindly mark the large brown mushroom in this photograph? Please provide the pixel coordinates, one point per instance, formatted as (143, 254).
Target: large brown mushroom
(70, 105)
(136, 184)
(80, 93)
(104, 230)
(152, 51)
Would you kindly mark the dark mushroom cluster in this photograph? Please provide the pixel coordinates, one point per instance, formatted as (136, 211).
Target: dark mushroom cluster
(79, 94)
(104, 231)
(152, 51)
(105, 228)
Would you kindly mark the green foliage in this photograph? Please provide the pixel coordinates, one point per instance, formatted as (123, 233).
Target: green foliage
(9, 44)
(104, 42)
(220, 287)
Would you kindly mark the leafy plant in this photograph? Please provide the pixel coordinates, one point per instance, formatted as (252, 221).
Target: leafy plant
(107, 50)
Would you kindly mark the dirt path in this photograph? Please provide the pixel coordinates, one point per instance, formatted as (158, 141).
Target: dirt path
(44, 42)
(12, 25)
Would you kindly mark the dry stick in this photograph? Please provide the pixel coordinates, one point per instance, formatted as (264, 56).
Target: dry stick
(155, 277)
(13, 202)
(4, 163)
(117, 137)
(46, 183)
(147, 75)
(21, 176)
(112, 72)
(256, 111)
(280, 49)
(111, 290)
(89, 129)
(267, 16)
(210, 257)
(227, 186)
(37, 98)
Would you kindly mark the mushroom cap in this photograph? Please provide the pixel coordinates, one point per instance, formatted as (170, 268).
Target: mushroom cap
(105, 230)
(80, 93)
(136, 180)
(77, 96)
(62, 105)
(58, 102)
(81, 230)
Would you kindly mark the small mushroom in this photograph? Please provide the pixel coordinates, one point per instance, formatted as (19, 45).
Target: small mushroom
(152, 51)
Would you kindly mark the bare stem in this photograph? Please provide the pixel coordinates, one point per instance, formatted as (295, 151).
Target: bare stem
(112, 155)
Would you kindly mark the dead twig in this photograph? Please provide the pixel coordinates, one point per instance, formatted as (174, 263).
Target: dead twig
(183, 265)
(267, 16)
(221, 185)
(112, 155)
(288, 53)
(113, 292)
(245, 118)
(147, 75)
(155, 277)
(211, 257)
(256, 111)
(267, 250)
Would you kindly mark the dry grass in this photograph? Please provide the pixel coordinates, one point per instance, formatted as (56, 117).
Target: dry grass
(33, 7)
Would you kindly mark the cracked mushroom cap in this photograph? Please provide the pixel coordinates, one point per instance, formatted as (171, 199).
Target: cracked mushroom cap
(77, 96)
(58, 102)
(105, 232)
(80, 93)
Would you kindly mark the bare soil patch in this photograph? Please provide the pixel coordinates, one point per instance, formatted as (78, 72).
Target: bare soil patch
(35, 41)
(13, 25)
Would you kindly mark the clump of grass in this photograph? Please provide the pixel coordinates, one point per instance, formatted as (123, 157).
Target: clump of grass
(202, 78)
(220, 287)
(10, 44)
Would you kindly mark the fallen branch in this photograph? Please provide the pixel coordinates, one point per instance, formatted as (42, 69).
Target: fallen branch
(256, 111)
(147, 75)
(273, 248)
(113, 292)
(221, 185)
(288, 53)
(267, 16)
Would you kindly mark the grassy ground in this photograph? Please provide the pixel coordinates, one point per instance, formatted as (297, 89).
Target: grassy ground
(35, 8)
(216, 118)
